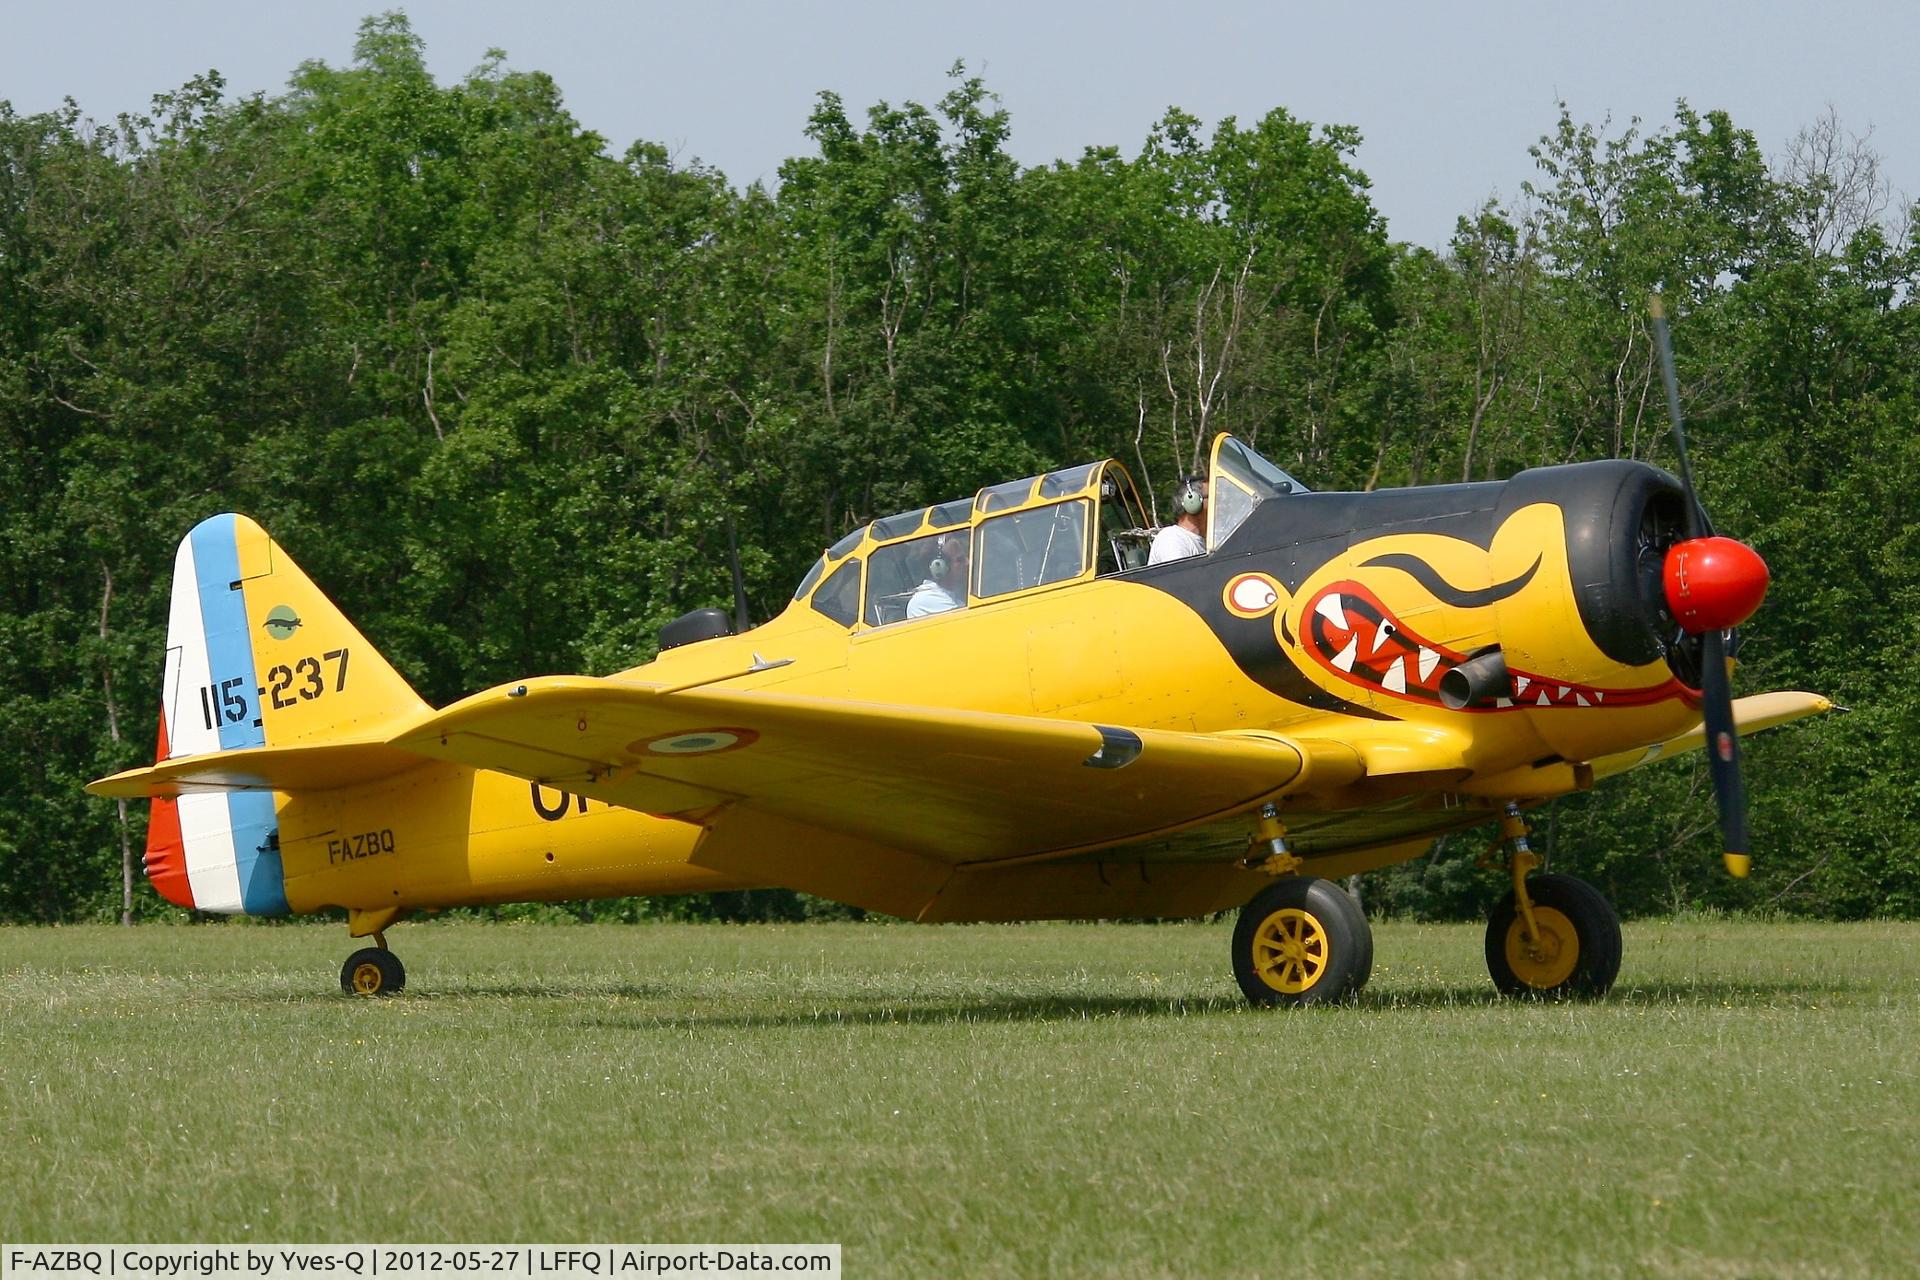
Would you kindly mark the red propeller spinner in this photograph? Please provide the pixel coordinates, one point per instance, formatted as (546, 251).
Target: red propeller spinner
(1713, 584)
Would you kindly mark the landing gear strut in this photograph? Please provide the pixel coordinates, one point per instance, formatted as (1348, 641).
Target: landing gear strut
(373, 971)
(1555, 937)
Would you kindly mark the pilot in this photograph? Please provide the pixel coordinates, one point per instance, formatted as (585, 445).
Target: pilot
(945, 586)
(1184, 537)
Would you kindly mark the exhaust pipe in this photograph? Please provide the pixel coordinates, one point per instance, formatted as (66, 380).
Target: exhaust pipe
(1478, 680)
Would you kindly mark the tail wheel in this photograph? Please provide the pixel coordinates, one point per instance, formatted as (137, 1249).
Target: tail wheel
(373, 971)
(1301, 941)
(1577, 953)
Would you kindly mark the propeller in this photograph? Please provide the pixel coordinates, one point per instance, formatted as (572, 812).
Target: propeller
(1712, 585)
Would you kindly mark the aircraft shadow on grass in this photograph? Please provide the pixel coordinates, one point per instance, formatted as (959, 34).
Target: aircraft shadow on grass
(911, 1010)
(1705, 992)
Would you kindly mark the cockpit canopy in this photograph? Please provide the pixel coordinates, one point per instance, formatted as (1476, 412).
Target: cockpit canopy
(1238, 480)
(1020, 536)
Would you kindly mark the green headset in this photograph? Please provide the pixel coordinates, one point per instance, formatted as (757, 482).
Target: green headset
(1192, 497)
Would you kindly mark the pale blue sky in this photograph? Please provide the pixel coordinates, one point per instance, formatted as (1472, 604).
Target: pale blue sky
(1449, 98)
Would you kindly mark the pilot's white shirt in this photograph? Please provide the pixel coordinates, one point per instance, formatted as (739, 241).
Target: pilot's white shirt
(930, 598)
(1175, 543)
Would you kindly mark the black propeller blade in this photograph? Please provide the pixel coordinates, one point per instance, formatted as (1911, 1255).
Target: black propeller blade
(1723, 753)
(1716, 688)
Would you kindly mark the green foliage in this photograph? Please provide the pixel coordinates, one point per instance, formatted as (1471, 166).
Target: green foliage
(510, 394)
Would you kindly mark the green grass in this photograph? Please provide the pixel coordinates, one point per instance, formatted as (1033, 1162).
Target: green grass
(1023, 1100)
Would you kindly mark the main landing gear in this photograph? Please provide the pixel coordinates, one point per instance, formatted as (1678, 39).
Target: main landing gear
(1554, 937)
(1301, 940)
(373, 971)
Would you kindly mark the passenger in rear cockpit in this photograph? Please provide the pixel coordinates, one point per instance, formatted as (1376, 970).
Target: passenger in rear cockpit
(945, 586)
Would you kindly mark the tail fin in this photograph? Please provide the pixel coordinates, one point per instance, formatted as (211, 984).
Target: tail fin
(256, 656)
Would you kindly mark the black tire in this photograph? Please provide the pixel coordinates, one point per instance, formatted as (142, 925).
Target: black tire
(373, 971)
(1301, 941)
(1570, 913)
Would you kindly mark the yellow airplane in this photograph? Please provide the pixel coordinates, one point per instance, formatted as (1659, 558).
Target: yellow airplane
(996, 709)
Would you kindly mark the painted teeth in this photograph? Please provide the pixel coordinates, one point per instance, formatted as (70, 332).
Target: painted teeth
(1527, 690)
(1564, 695)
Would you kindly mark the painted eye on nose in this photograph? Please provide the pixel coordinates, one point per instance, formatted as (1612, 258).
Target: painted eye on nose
(1251, 594)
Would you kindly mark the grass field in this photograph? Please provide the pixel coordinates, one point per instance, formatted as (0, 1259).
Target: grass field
(1022, 1100)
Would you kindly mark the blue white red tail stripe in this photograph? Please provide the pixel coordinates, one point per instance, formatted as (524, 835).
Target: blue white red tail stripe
(229, 842)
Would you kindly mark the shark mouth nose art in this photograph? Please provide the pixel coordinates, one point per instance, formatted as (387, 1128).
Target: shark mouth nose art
(1355, 636)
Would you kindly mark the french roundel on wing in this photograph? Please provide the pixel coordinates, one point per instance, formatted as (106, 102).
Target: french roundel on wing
(696, 742)
(1251, 595)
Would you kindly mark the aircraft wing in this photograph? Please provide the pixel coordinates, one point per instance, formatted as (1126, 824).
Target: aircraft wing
(1751, 714)
(959, 786)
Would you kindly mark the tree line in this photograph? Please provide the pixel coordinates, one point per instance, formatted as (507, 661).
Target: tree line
(508, 396)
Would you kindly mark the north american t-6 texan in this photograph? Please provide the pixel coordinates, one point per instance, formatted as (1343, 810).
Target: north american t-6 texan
(1337, 680)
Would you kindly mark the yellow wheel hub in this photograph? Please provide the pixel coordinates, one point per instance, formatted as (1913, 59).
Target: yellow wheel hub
(1549, 962)
(1290, 950)
(366, 978)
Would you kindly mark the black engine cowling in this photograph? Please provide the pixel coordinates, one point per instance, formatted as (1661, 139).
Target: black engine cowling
(1621, 517)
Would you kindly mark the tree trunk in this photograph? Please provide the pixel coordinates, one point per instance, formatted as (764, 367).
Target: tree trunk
(113, 732)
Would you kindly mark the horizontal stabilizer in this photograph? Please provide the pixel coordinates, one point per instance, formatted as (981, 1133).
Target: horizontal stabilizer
(320, 766)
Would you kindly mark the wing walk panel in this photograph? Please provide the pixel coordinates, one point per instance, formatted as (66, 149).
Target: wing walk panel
(960, 785)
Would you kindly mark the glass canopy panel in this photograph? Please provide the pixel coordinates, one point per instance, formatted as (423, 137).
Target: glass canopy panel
(1242, 480)
(1259, 475)
(1125, 541)
(1002, 496)
(813, 576)
(1068, 481)
(847, 543)
(839, 597)
(899, 526)
(917, 578)
(1032, 548)
(950, 513)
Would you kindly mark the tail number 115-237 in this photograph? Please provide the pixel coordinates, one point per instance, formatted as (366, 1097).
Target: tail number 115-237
(286, 685)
